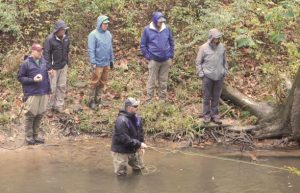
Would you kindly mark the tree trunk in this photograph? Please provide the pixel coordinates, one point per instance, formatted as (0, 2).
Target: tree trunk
(287, 122)
(275, 123)
(259, 109)
(295, 110)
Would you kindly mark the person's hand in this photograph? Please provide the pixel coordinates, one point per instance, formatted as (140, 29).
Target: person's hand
(142, 151)
(144, 146)
(93, 67)
(51, 72)
(201, 76)
(38, 78)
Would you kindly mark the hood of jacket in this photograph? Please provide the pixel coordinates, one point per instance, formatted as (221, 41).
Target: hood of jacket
(156, 16)
(59, 25)
(100, 20)
(213, 34)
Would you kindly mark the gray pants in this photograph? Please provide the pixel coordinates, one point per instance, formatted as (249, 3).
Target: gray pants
(120, 161)
(58, 86)
(212, 90)
(158, 72)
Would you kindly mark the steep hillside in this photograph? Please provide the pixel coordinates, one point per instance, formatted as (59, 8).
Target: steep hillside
(261, 37)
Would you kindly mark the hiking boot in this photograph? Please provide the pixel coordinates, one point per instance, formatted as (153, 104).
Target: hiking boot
(98, 101)
(58, 111)
(92, 105)
(39, 141)
(217, 121)
(49, 113)
(30, 142)
(206, 120)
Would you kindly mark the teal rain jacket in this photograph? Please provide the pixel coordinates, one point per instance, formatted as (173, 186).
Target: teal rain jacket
(100, 48)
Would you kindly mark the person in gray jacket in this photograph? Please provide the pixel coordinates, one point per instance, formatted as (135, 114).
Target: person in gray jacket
(212, 67)
(56, 53)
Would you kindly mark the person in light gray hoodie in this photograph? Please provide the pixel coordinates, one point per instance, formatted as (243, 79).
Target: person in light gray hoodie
(212, 67)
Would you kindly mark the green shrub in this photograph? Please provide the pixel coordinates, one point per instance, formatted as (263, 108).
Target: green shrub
(8, 19)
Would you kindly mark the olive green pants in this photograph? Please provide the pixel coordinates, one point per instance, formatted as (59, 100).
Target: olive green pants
(34, 108)
(120, 161)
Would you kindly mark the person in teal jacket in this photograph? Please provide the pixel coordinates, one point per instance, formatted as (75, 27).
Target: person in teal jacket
(101, 57)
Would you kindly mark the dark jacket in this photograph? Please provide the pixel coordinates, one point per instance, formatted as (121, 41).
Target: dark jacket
(28, 70)
(128, 133)
(157, 45)
(56, 51)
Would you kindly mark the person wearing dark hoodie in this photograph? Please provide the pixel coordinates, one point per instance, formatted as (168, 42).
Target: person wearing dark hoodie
(101, 57)
(212, 68)
(157, 46)
(128, 139)
(33, 75)
(56, 53)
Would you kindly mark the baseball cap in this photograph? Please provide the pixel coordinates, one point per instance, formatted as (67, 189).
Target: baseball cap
(162, 19)
(106, 21)
(131, 102)
(36, 47)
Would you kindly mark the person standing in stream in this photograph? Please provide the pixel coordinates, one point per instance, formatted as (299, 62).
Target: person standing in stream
(128, 145)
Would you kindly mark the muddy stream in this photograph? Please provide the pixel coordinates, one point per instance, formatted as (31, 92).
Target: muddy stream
(85, 166)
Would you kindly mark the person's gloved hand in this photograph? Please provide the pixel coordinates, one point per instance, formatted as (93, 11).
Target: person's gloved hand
(93, 67)
(38, 78)
(144, 146)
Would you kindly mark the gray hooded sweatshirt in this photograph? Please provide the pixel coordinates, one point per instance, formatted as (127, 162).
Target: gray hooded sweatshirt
(211, 60)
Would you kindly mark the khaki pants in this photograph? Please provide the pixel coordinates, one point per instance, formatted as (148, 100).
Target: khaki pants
(100, 77)
(36, 104)
(58, 86)
(120, 161)
(158, 72)
(34, 108)
(98, 83)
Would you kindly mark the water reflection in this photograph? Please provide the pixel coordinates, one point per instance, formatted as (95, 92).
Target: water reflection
(86, 167)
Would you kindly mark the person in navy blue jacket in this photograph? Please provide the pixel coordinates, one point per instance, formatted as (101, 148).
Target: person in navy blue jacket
(128, 139)
(157, 46)
(33, 75)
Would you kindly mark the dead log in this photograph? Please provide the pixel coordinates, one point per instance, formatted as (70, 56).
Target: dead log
(259, 109)
(277, 122)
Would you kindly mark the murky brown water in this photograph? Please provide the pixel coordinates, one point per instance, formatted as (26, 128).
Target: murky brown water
(86, 167)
